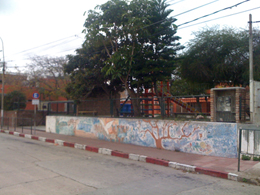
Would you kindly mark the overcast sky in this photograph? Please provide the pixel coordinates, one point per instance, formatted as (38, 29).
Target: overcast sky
(53, 27)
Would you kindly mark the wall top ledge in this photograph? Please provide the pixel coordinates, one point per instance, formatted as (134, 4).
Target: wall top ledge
(227, 88)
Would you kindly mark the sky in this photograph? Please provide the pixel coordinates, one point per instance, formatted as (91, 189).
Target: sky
(53, 27)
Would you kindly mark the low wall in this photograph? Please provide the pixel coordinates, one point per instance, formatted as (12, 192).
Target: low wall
(206, 138)
(250, 142)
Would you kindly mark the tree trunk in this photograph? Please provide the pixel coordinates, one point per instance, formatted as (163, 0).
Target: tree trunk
(135, 102)
(198, 106)
(158, 96)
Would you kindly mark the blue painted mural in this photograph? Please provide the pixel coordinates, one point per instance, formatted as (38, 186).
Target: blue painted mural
(216, 139)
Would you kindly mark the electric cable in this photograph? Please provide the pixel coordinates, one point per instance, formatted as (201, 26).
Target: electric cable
(178, 25)
(195, 8)
(139, 29)
(219, 18)
(180, 14)
(45, 44)
(177, 2)
(170, 1)
(214, 12)
(64, 42)
(197, 24)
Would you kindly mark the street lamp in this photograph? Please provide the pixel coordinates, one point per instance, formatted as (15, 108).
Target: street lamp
(3, 84)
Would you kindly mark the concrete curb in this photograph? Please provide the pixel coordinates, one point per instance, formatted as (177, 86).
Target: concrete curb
(136, 157)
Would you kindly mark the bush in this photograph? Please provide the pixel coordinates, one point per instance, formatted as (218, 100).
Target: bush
(255, 158)
(245, 157)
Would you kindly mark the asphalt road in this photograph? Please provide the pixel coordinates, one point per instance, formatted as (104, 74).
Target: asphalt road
(33, 167)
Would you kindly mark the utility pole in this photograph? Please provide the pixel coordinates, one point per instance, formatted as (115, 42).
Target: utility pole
(3, 84)
(251, 73)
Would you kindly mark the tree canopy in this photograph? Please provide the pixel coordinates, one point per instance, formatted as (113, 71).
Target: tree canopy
(128, 44)
(15, 100)
(219, 56)
(85, 70)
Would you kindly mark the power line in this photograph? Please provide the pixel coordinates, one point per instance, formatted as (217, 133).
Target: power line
(23, 59)
(165, 19)
(45, 44)
(195, 8)
(170, 1)
(194, 25)
(220, 17)
(181, 13)
(214, 12)
(52, 46)
(139, 29)
(67, 50)
(177, 2)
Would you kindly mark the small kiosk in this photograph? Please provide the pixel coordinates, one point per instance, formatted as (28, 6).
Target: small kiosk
(225, 104)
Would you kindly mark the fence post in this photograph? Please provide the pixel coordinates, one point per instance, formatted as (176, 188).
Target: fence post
(15, 124)
(8, 123)
(48, 109)
(68, 108)
(12, 121)
(239, 149)
(111, 107)
(240, 108)
(75, 109)
(162, 108)
(31, 125)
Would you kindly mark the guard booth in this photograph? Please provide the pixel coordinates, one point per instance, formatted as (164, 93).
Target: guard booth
(225, 104)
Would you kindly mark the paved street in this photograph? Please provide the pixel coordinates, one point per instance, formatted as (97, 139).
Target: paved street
(32, 167)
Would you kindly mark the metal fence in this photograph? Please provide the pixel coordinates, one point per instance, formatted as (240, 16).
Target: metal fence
(155, 107)
(61, 108)
(13, 123)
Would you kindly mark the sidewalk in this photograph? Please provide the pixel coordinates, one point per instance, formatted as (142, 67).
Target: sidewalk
(210, 165)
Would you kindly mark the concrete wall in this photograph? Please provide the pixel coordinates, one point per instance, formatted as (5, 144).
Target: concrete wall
(256, 103)
(206, 138)
(250, 142)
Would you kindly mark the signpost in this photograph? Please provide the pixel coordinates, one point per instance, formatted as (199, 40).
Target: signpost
(35, 102)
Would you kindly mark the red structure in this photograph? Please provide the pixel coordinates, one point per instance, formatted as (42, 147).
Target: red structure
(151, 107)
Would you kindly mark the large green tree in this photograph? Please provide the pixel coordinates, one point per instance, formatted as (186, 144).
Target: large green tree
(132, 42)
(219, 56)
(87, 78)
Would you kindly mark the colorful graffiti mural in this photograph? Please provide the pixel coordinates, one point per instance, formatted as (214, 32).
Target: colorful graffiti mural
(216, 139)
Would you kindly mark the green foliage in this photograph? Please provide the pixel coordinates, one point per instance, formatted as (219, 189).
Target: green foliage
(255, 158)
(245, 157)
(182, 87)
(244, 180)
(128, 44)
(14, 100)
(86, 75)
(220, 56)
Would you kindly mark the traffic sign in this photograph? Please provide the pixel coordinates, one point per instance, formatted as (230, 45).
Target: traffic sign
(35, 95)
(35, 101)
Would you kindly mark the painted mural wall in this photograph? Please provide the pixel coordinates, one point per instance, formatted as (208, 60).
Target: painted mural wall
(206, 138)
